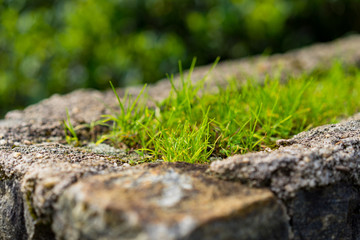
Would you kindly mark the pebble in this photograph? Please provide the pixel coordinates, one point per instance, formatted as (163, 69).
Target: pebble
(17, 155)
(126, 165)
(306, 159)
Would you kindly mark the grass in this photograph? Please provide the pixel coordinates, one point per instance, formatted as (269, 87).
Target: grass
(240, 118)
(70, 132)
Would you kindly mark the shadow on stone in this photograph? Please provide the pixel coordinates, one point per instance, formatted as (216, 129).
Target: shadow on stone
(330, 212)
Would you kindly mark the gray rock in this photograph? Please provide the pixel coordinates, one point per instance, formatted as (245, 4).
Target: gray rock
(32, 179)
(294, 62)
(329, 212)
(167, 201)
(73, 193)
(12, 222)
(316, 174)
(325, 155)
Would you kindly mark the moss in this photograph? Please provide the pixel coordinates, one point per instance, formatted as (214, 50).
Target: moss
(193, 127)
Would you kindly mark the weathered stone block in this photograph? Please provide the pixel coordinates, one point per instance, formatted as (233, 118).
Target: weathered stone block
(316, 174)
(12, 222)
(167, 201)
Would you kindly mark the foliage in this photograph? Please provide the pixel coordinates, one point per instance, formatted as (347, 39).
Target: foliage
(237, 119)
(56, 46)
(70, 132)
(127, 125)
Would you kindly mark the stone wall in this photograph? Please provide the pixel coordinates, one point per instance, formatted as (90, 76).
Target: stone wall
(306, 189)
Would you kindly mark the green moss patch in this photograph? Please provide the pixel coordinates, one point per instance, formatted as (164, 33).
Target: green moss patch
(241, 118)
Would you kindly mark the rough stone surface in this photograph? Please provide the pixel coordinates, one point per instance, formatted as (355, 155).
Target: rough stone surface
(174, 201)
(325, 155)
(74, 193)
(33, 177)
(330, 212)
(316, 173)
(309, 187)
(12, 222)
(294, 62)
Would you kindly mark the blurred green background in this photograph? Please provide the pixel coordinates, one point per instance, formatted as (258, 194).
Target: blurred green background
(50, 46)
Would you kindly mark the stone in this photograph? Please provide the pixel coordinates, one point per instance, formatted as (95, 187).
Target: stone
(33, 177)
(328, 212)
(55, 191)
(51, 190)
(12, 221)
(295, 62)
(167, 201)
(316, 174)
